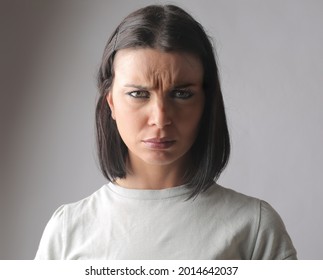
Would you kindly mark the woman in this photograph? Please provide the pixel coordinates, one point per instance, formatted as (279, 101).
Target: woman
(163, 142)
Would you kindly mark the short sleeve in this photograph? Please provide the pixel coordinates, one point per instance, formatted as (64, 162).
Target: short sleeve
(272, 240)
(52, 242)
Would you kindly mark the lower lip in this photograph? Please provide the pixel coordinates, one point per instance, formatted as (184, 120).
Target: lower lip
(159, 145)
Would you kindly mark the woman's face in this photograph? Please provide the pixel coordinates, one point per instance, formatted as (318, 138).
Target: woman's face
(157, 101)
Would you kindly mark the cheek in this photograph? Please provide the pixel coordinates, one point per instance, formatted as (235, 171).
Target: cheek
(189, 122)
(129, 122)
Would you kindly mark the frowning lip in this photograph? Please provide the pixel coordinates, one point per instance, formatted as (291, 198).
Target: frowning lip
(159, 143)
(159, 140)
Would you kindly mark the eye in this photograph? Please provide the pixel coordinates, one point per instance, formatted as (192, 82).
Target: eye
(139, 94)
(181, 94)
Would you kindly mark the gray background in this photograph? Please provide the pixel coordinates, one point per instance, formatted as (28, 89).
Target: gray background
(270, 59)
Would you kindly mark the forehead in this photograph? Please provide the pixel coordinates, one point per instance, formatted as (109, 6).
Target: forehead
(149, 65)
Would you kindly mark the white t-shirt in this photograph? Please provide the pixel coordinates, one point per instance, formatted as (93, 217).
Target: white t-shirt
(119, 223)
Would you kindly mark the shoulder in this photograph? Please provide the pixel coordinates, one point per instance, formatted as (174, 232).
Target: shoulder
(53, 237)
(85, 206)
(238, 211)
(64, 220)
(269, 238)
(272, 240)
(231, 199)
(220, 196)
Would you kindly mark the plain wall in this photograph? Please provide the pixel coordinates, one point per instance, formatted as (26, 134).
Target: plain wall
(270, 60)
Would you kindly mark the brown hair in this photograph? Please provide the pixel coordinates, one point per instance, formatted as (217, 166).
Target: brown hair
(166, 28)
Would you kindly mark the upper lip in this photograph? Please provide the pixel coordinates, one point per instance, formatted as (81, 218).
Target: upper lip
(159, 140)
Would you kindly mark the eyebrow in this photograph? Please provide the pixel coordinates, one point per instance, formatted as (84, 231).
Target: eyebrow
(186, 85)
(136, 86)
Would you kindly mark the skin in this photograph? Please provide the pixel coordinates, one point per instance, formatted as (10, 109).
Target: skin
(157, 101)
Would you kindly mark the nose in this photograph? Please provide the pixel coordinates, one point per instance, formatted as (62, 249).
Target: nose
(160, 114)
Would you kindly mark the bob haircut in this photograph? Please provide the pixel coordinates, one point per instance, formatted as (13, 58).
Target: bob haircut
(170, 29)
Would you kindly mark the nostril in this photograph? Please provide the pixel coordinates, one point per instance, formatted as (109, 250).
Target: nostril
(160, 122)
(163, 124)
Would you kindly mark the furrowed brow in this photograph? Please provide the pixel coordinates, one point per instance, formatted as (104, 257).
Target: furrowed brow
(137, 86)
(186, 85)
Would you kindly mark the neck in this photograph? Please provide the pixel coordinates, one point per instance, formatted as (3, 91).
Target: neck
(146, 176)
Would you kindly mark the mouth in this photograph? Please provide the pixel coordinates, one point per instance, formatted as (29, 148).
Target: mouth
(159, 143)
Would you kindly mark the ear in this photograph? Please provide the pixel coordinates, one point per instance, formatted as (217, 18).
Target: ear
(111, 104)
